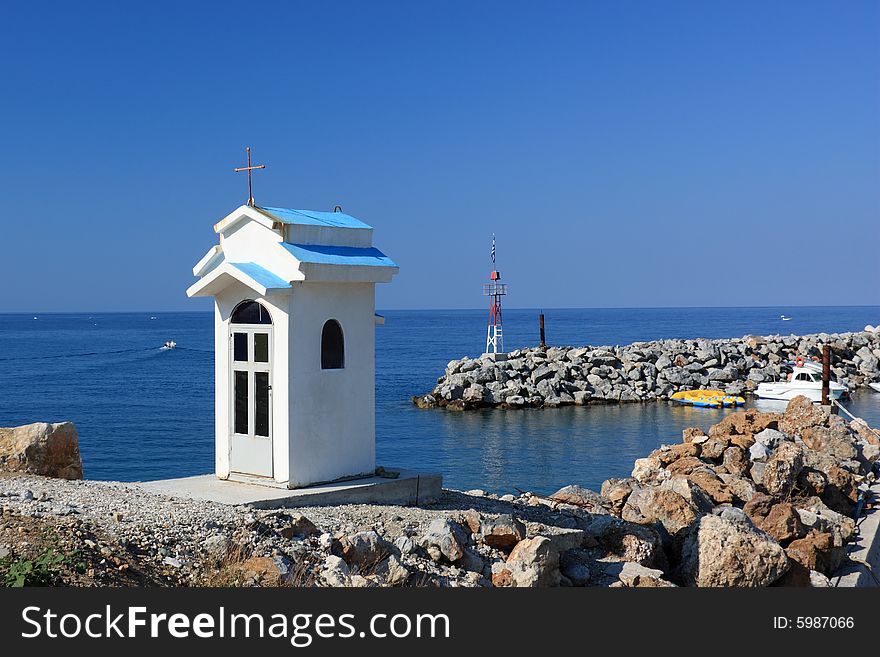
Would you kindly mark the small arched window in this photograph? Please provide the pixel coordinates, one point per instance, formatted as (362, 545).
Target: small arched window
(250, 312)
(332, 346)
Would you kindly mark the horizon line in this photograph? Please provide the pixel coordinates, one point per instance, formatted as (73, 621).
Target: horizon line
(533, 308)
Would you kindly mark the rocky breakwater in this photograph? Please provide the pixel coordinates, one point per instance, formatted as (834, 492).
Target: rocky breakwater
(759, 499)
(643, 371)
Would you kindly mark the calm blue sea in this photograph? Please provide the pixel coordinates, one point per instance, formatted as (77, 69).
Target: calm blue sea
(146, 413)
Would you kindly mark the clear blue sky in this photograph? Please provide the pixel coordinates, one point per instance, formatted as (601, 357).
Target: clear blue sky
(625, 153)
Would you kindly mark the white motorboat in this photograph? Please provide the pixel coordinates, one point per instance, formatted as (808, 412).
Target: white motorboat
(169, 344)
(784, 318)
(875, 386)
(805, 379)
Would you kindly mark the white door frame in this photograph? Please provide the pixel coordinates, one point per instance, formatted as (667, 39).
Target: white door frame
(254, 452)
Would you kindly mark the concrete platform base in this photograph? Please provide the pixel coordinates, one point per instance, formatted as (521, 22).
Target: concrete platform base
(862, 568)
(409, 489)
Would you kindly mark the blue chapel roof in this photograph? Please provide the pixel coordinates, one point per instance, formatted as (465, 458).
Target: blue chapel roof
(339, 255)
(261, 275)
(314, 218)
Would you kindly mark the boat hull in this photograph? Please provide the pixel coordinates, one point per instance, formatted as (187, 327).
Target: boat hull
(787, 392)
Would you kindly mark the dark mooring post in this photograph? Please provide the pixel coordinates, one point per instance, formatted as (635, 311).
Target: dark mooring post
(826, 374)
(541, 325)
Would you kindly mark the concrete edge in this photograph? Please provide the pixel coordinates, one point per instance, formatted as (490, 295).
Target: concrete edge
(410, 491)
(862, 566)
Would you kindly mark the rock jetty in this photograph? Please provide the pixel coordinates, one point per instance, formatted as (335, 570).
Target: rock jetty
(643, 371)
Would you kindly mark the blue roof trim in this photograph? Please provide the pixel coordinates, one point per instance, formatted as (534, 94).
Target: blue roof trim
(339, 255)
(315, 218)
(262, 276)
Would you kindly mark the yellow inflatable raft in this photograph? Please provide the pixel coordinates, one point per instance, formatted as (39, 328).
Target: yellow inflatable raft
(707, 398)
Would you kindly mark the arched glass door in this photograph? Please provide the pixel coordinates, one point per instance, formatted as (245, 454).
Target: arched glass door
(250, 351)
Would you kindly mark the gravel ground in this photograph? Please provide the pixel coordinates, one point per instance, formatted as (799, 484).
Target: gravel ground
(131, 536)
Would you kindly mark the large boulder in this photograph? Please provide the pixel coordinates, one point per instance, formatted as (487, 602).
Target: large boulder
(627, 541)
(723, 551)
(782, 470)
(837, 442)
(659, 505)
(801, 414)
(736, 461)
(779, 519)
(533, 562)
(745, 423)
(817, 551)
(51, 450)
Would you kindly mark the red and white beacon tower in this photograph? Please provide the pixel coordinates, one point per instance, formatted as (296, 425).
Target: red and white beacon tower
(494, 290)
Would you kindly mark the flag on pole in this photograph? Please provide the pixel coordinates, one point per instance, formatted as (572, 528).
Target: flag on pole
(493, 248)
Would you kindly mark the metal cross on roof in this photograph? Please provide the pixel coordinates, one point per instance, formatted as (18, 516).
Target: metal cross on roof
(250, 168)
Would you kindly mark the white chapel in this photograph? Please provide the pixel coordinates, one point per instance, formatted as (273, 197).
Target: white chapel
(294, 335)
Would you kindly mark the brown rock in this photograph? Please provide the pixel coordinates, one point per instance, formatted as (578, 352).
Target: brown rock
(714, 487)
(656, 505)
(758, 507)
(533, 562)
(745, 422)
(50, 450)
(713, 449)
(689, 433)
(836, 442)
(841, 491)
(616, 491)
(685, 466)
(816, 551)
(800, 414)
(811, 482)
(741, 487)
(718, 551)
(782, 469)
(628, 541)
(743, 442)
(782, 523)
(676, 452)
(736, 460)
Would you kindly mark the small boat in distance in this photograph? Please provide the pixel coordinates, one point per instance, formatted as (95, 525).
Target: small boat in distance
(169, 344)
(805, 379)
(785, 318)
